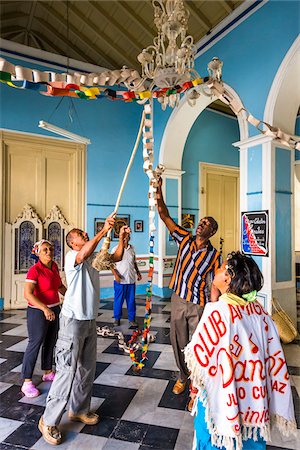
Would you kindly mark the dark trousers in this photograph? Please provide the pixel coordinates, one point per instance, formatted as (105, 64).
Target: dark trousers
(185, 317)
(41, 332)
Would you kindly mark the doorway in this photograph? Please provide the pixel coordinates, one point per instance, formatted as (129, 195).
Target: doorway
(219, 198)
(38, 174)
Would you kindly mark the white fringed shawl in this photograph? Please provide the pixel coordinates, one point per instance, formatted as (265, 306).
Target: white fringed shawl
(237, 364)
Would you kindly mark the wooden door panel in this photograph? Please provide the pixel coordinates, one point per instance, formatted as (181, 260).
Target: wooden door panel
(18, 300)
(24, 175)
(58, 182)
(41, 172)
(214, 204)
(220, 186)
(229, 219)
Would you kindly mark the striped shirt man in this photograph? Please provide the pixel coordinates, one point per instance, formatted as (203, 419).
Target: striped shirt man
(194, 269)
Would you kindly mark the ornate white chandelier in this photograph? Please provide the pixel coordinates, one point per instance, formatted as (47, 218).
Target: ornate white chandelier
(169, 61)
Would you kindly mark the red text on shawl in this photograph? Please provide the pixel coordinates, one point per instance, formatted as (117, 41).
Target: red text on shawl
(242, 364)
(251, 308)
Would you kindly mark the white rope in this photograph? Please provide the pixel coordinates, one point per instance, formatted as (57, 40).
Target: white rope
(104, 260)
(129, 167)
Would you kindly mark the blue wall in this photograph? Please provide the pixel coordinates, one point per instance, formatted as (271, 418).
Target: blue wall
(250, 63)
(210, 140)
(254, 182)
(254, 50)
(252, 53)
(283, 206)
(297, 132)
(112, 128)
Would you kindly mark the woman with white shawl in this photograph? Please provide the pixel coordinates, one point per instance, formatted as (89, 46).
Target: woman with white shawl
(238, 370)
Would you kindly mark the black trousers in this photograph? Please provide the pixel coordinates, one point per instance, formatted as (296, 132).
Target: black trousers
(41, 332)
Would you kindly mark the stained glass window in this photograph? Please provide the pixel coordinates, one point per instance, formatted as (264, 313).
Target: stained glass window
(55, 236)
(24, 241)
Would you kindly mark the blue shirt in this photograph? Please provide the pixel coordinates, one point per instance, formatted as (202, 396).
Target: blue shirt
(82, 297)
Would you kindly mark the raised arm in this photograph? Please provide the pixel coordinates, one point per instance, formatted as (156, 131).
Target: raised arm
(90, 246)
(118, 254)
(163, 210)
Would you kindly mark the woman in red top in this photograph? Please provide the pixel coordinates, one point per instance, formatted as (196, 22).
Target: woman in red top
(42, 285)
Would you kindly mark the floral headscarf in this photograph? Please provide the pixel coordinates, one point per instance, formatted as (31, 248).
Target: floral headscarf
(37, 248)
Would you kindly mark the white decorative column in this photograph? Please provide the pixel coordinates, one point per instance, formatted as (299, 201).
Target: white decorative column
(266, 173)
(171, 195)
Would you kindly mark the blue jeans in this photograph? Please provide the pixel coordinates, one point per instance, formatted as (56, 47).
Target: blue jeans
(203, 436)
(122, 292)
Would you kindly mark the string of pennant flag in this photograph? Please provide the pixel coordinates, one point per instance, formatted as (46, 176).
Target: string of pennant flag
(86, 86)
(279, 136)
(90, 86)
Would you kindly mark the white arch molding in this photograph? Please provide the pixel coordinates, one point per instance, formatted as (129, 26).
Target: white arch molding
(284, 96)
(180, 123)
(281, 111)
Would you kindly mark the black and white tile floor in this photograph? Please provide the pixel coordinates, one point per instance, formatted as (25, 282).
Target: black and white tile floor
(138, 412)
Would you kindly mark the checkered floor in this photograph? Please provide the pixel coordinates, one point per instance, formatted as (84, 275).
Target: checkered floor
(138, 412)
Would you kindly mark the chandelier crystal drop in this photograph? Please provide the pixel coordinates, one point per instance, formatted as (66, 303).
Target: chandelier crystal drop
(169, 61)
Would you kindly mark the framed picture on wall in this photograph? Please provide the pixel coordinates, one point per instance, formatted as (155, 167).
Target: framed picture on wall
(98, 225)
(138, 226)
(119, 223)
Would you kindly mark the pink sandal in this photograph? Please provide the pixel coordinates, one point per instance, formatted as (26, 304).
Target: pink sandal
(29, 389)
(48, 376)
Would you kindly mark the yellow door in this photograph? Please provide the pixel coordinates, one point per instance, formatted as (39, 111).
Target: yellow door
(219, 199)
(41, 172)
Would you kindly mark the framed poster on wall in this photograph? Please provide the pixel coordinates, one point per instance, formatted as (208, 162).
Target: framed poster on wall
(255, 233)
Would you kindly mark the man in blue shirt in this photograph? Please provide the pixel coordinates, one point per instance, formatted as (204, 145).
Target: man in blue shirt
(77, 339)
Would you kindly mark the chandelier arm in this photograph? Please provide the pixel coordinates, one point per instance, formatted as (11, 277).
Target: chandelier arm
(150, 47)
(163, 51)
(140, 84)
(185, 41)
